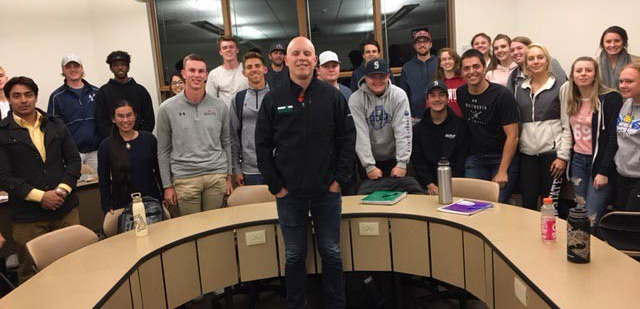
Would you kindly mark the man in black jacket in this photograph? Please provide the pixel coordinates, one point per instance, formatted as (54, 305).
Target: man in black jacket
(440, 134)
(305, 143)
(121, 86)
(39, 168)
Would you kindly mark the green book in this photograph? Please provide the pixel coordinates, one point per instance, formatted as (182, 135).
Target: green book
(383, 197)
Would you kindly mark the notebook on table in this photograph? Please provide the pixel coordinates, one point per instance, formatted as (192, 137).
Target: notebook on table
(465, 207)
(383, 197)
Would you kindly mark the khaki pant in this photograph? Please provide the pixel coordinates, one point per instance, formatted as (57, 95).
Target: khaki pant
(24, 232)
(200, 193)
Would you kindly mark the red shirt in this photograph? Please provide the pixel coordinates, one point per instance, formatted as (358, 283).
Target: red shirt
(452, 85)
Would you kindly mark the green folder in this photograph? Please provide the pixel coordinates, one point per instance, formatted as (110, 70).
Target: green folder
(383, 197)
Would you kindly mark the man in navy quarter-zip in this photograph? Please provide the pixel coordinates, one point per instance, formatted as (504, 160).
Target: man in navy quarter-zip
(194, 150)
(305, 141)
(244, 115)
(75, 103)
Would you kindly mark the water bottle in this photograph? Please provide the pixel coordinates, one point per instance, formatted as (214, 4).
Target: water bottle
(578, 236)
(548, 220)
(139, 215)
(444, 182)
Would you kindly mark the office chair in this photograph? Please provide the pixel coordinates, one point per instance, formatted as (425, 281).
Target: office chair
(621, 229)
(46, 249)
(477, 189)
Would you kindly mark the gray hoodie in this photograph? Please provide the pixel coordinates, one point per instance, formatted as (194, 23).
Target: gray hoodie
(193, 138)
(251, 106)
(383, 125)
(628, 157)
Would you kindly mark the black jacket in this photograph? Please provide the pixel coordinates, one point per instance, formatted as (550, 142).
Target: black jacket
(434, 141)
(604, 143)
(304, 146)
(131, 91)
(22, 169)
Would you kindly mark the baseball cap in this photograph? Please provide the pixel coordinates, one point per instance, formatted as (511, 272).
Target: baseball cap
(376, 65)
(437, 84)
(118, 55)
(71, 58)
(328, 56)
(277, 46)
(421, 33)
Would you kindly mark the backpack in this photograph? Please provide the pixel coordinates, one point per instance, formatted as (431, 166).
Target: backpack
(240, 95)
(153, 210)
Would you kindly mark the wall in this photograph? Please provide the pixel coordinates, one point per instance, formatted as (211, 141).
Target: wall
(36, 34)
(568, 28)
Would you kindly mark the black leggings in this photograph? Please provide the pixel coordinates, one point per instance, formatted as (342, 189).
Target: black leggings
(535, 178)
(627, 193)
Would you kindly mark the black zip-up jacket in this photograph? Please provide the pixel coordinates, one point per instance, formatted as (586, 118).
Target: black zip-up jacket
(131, 91)
(431, 142)
(305, 145)
(604, 142)
(22, 169)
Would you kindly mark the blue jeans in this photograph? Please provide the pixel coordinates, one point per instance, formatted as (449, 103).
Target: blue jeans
(326, 213)
(596, 200)
(253, 179)
(485, 166)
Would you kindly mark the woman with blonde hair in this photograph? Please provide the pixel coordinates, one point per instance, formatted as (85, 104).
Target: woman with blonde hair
(543, 156)
(589, 112)
(448, 70)
(501, 64)
(627, 157)
(613, 55)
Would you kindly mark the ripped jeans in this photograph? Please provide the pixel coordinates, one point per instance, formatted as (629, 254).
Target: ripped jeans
(596, 200)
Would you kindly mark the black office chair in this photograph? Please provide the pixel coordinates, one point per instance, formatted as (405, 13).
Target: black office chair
(621, 229)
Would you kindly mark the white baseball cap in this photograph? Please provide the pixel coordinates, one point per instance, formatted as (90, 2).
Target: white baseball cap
(71, 58)
(328, 56)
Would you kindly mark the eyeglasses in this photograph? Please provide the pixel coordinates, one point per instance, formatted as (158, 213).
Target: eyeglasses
(176, 83)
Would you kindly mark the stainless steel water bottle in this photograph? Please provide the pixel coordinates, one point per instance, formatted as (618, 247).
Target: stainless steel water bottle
(578, 236)
(444, 182)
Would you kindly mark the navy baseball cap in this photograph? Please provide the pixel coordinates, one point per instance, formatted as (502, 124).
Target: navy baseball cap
(277, 46)
(437, 84)
(376, 65)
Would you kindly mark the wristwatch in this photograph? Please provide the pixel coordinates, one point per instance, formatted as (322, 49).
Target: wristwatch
(62, 191)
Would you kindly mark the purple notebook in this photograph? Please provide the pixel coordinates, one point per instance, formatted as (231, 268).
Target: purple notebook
(465, 207)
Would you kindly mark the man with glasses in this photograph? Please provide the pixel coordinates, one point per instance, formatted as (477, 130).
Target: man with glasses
(383, 124)
(418, 72)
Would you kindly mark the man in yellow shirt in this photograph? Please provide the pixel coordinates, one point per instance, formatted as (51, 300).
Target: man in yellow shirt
(39, 168)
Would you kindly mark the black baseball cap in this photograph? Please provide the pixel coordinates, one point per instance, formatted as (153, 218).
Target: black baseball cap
(277, 46)
(437, 84)
(376, 65)
(118, 55)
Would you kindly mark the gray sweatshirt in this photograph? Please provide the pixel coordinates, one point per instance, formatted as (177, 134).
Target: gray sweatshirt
(628, 135)
(383, 125)
(250, 108)
(193, 138)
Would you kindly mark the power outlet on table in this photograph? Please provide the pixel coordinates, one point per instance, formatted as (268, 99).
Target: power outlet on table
(256, 238)
(369, 229)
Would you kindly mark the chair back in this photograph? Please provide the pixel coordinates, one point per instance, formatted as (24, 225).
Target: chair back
(110, 223)
(476, 189)
(244, 195)
(621, 229)
(46, 249)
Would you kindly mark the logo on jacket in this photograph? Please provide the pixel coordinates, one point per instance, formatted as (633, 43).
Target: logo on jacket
(210, 112)
(379, 118)
(91, 97)
(450, 135)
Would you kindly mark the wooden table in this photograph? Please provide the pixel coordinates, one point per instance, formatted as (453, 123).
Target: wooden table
(497, 255)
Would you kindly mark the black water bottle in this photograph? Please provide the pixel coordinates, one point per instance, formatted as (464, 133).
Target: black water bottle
(578, 236)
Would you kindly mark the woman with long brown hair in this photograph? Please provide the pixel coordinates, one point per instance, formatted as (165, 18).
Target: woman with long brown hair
(589, 111)
(448, 70)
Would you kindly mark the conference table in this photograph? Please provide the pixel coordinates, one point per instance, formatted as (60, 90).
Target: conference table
(497, 255)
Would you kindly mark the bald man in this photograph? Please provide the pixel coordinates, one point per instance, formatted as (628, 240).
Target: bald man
(305, 142)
